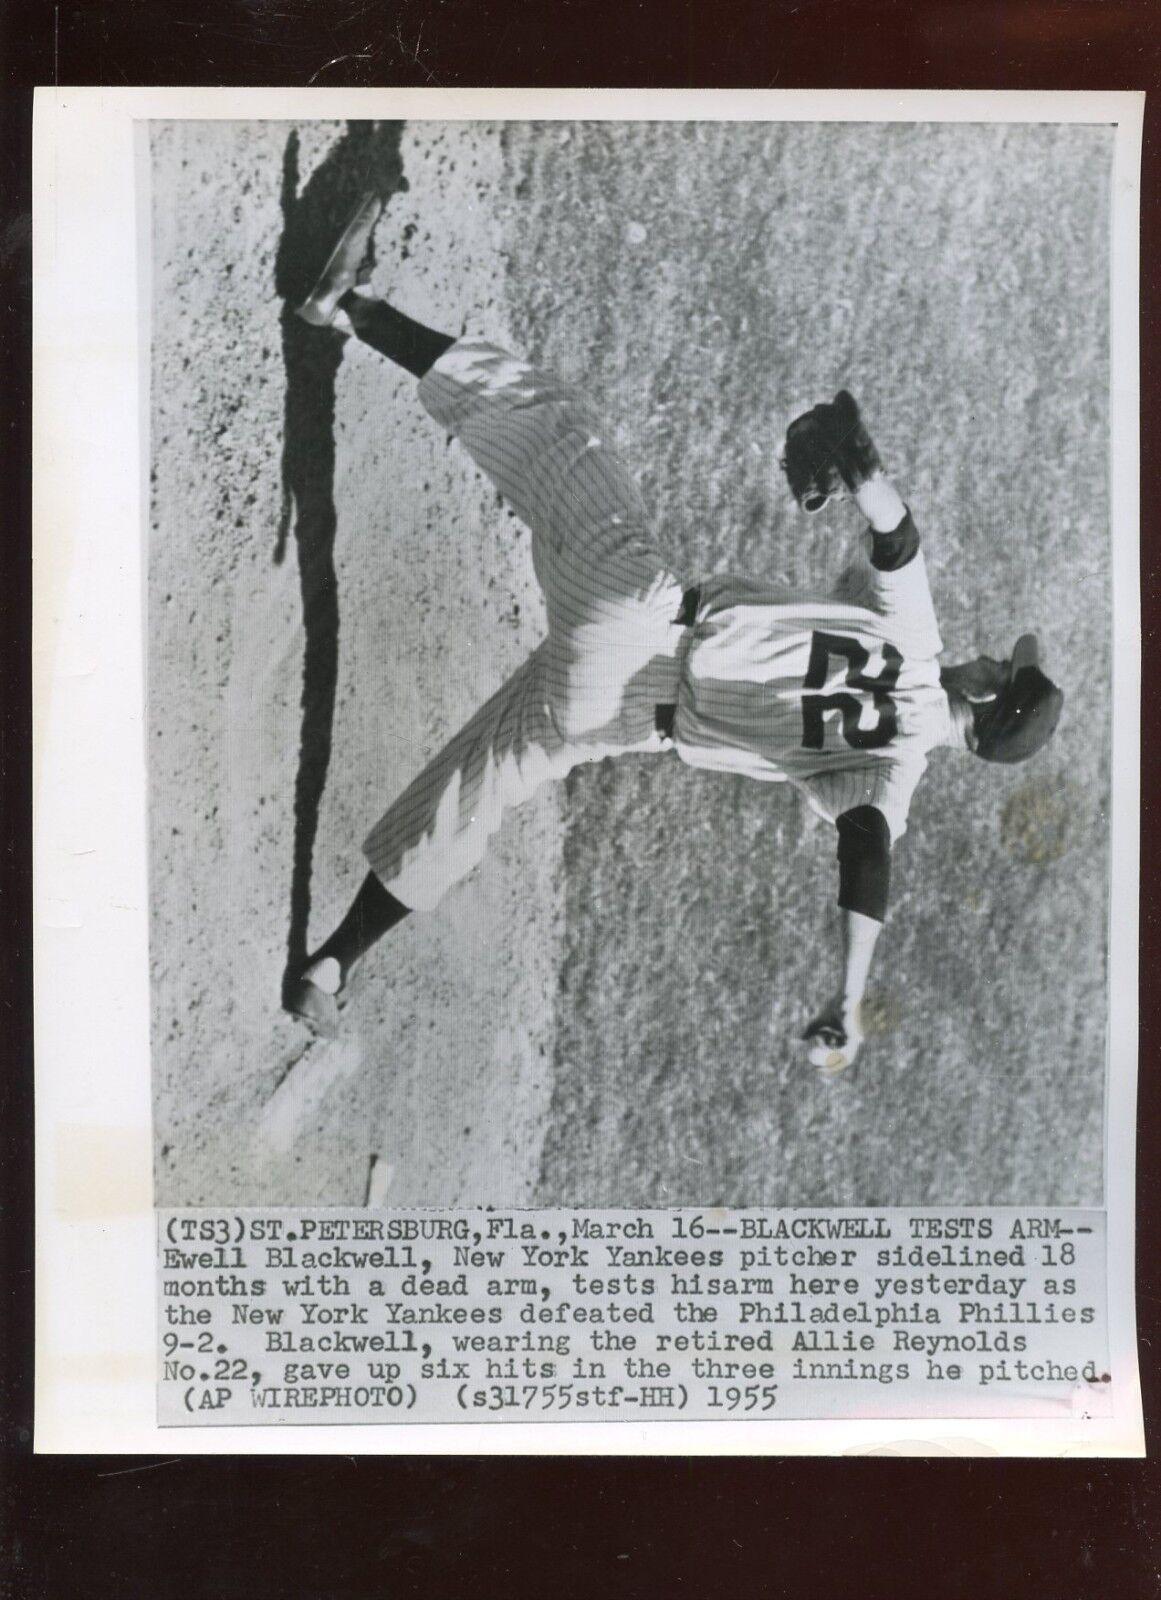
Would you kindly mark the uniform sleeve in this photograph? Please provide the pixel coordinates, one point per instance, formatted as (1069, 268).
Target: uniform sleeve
(887, 784)
(890, 578)
(864, 859)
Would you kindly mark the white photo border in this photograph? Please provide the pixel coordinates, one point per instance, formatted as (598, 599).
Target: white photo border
(96, 1339)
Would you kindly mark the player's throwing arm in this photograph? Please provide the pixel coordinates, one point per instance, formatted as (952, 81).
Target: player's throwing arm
(874, 701)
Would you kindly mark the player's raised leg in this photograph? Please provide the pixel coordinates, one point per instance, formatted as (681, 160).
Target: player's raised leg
(611, 596)
(538, 437)
(505, 413)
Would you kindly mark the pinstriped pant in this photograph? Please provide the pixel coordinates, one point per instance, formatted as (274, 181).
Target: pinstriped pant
(611, 655)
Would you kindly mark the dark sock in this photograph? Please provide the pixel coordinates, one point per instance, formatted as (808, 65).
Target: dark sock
(394, 335)
(374, 912)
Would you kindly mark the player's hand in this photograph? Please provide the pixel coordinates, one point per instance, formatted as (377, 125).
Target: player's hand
(834, 1037)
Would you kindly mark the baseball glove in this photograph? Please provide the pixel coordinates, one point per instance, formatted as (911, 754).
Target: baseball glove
(809, 461)
(828, 452)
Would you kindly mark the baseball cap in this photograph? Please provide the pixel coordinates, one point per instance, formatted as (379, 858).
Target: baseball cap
(1023, 716)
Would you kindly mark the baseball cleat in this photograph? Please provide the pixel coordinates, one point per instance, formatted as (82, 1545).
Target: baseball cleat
(312, 1005)
(808, 460)
(342, 270)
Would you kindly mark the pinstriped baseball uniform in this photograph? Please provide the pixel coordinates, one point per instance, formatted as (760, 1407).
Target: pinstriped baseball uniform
(841, 699)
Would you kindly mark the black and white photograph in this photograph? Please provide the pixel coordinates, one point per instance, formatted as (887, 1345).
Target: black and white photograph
(628, 656)
(588, 667)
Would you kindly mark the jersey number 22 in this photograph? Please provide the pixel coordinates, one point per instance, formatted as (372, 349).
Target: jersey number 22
(850, 707)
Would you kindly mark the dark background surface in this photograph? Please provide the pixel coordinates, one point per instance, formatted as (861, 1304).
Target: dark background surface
(352, 1527)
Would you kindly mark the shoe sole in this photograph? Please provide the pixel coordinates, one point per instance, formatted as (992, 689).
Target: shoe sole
(321, 304)
(312, 1006)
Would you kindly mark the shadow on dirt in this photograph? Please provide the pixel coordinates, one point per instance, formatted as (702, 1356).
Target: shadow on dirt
(367, 156)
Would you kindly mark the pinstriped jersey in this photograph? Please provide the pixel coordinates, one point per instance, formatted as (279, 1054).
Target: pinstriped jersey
(839, 697)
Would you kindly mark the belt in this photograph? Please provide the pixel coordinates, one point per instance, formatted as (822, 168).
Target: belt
(690, 601)
(664, 716)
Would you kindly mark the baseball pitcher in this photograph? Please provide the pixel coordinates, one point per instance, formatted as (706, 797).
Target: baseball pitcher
(844, 699)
